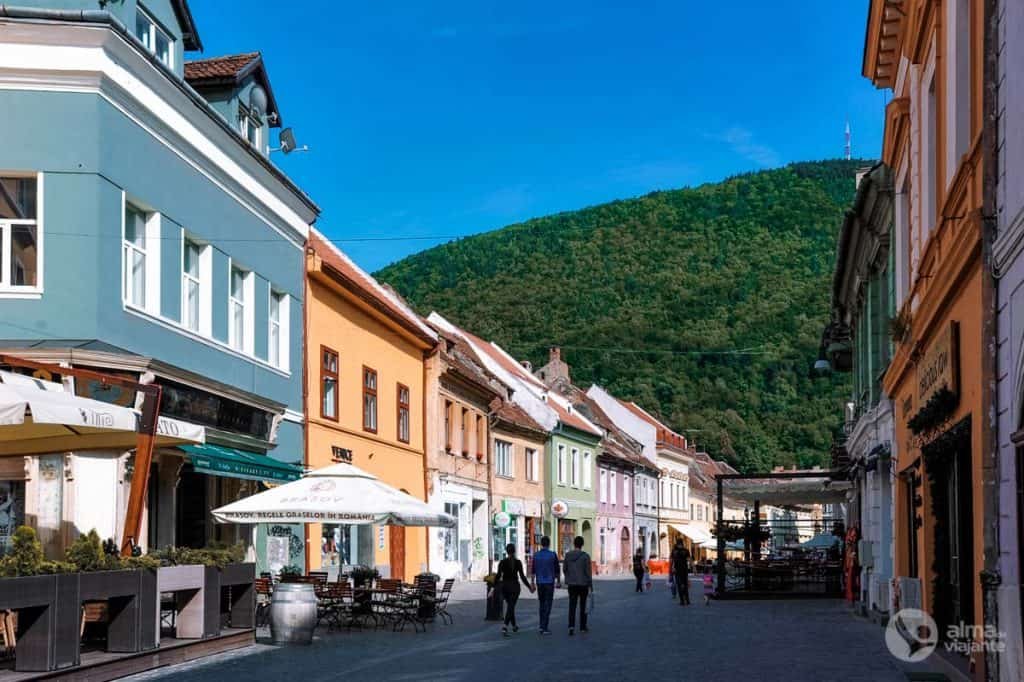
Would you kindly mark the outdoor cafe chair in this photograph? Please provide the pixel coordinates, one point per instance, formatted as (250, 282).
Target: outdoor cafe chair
(441, 602)
(334, 604)
(405, 608)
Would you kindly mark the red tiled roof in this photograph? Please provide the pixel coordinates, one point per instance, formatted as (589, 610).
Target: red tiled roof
(509, 412)
(382, 298)
(218, 68)
(507, 363)
(572, 419)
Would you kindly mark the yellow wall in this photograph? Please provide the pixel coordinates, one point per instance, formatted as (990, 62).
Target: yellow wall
(364, 338)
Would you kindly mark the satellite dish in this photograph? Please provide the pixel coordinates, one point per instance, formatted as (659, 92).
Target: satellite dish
(258, 100)
(287, 139)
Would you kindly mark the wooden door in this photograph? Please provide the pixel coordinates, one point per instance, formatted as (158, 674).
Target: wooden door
(397, 552)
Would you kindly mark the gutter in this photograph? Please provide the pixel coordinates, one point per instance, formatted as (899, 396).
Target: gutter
(103, 17)
(989, 575)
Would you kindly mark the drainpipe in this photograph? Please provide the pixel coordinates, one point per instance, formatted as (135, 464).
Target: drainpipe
(491, 421)
(426, 462)
(306, 296)
(990, 576)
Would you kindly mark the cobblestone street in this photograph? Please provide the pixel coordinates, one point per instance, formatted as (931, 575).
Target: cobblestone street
(632, 637)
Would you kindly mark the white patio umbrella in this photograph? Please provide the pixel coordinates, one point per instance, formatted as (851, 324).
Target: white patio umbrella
(340, 493)
(38, 417)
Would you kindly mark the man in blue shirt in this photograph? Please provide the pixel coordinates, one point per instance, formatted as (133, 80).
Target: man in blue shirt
(545, 577)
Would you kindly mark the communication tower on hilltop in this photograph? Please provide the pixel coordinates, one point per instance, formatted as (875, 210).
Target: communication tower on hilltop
(846, 150)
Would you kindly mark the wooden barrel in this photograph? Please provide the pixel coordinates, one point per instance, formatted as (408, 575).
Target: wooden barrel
(293, 613)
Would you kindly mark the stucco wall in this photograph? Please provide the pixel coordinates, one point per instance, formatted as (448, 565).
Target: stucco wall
(1009, 259)
(361, 339)
(86, 169)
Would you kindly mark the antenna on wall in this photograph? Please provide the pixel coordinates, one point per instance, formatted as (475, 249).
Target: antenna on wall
(847, 152)
(287, 140)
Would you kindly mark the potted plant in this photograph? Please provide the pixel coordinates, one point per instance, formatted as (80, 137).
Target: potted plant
(363, 576)
(289, 572)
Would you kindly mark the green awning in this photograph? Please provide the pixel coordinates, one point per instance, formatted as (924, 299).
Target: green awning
(218, 460)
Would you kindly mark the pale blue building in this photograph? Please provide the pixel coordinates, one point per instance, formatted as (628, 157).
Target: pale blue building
(145, 230)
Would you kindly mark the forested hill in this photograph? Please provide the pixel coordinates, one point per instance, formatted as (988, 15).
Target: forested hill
(704, 305)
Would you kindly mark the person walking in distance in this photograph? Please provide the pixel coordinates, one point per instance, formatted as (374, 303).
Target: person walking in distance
(545, 577)
(639, 569)
(510, 571)
(576, 565)
(679, 569)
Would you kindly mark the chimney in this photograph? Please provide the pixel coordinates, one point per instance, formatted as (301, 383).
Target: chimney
(554, 353)
(527, 365)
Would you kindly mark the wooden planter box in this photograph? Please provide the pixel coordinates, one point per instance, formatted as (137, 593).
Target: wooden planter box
(241, 579)
(188, 583)
(50, 614)
(133, 607)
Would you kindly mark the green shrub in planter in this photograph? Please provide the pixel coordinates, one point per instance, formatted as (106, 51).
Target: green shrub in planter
(26, 555)
(215, 554)
(86, 554)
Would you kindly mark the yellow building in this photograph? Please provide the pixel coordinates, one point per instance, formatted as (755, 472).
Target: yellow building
(364, 403)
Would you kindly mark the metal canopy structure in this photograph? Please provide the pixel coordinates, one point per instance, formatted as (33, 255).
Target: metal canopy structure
(793, 489)
(782, 489)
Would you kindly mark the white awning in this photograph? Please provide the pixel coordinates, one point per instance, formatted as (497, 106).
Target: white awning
(40, 417)
(698, 535)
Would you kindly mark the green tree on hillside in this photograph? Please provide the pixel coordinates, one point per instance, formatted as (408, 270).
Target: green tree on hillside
(705, 305)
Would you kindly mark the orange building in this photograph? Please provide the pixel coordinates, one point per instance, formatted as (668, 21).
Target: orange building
(364, 403)
(930, 54)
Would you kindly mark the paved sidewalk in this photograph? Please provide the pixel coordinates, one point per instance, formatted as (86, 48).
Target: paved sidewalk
(633, 636)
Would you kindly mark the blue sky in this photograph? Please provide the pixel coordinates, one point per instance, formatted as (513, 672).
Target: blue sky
(449, 118)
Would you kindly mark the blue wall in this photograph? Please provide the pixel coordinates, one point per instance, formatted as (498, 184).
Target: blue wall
(87, 165)
(125, 10)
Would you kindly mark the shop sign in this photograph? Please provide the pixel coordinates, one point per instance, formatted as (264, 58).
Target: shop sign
(940, 365)
(559, 509)
(341, 454)
(502, 520)
(514, 507)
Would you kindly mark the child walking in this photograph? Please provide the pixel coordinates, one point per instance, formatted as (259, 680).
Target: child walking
(709, 588)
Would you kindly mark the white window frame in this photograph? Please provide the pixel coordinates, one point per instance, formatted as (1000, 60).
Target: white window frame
(902, 237)
(957, 84)
(561, 464)
(203, 281)
(7, 225)
(503, 454)
(613, 494)
(151, 254)
(248, 313)
(574, 467)
(588, 475)
(246, 122)
(150, 41)
(534, 462)
(929, 153)
(282, 324)
(626, 483)
(603, 483)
